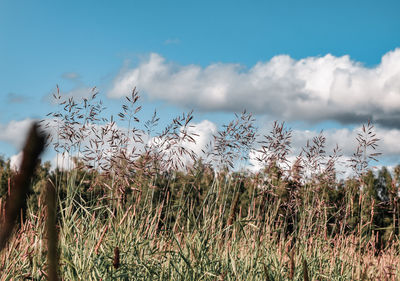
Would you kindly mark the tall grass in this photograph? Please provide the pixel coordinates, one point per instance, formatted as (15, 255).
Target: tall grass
(139, 206)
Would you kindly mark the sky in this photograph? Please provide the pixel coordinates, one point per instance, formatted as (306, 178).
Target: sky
(329, 65)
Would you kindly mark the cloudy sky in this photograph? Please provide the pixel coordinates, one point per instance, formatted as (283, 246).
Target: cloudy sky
(328, 65)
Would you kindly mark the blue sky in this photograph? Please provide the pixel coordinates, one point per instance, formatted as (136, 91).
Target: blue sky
(81, 44)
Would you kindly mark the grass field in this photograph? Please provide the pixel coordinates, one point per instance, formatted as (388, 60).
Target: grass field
(164, 213)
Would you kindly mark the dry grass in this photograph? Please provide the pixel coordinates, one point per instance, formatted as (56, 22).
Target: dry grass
(135, 209)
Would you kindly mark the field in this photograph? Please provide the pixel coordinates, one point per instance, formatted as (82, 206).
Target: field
(140, 205)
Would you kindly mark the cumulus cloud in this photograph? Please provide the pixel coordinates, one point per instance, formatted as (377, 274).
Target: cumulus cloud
(101, 144)
(63, 161)
(202, 134)
(205, 131)
(15, 132)
(345, 138)
(16, 161)
(388, 144)
(311, 89)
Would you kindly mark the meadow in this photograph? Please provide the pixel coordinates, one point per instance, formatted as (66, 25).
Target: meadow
(138, 204)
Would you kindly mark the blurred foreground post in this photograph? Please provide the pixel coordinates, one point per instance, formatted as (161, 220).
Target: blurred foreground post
(17, 198)
(52, 237)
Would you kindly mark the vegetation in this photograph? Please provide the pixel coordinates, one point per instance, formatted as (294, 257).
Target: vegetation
(143, 206)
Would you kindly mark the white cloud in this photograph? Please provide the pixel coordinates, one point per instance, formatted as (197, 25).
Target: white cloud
(202, 133)
(205, 131)
(16, 161)
(345, 138)
(15, 132)
(63, 161)
(311, 89)
(388, 144)
(103, 150)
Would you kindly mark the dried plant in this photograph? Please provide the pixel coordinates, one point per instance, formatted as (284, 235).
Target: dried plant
(181, 226)
(73, 124)
(330, 172)
(151, 124)
(315, 155)
(169, 150)
(317, 166)
(129, 114)
(296, 173)
(234, 142)
(275, 147)
(367, 144)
